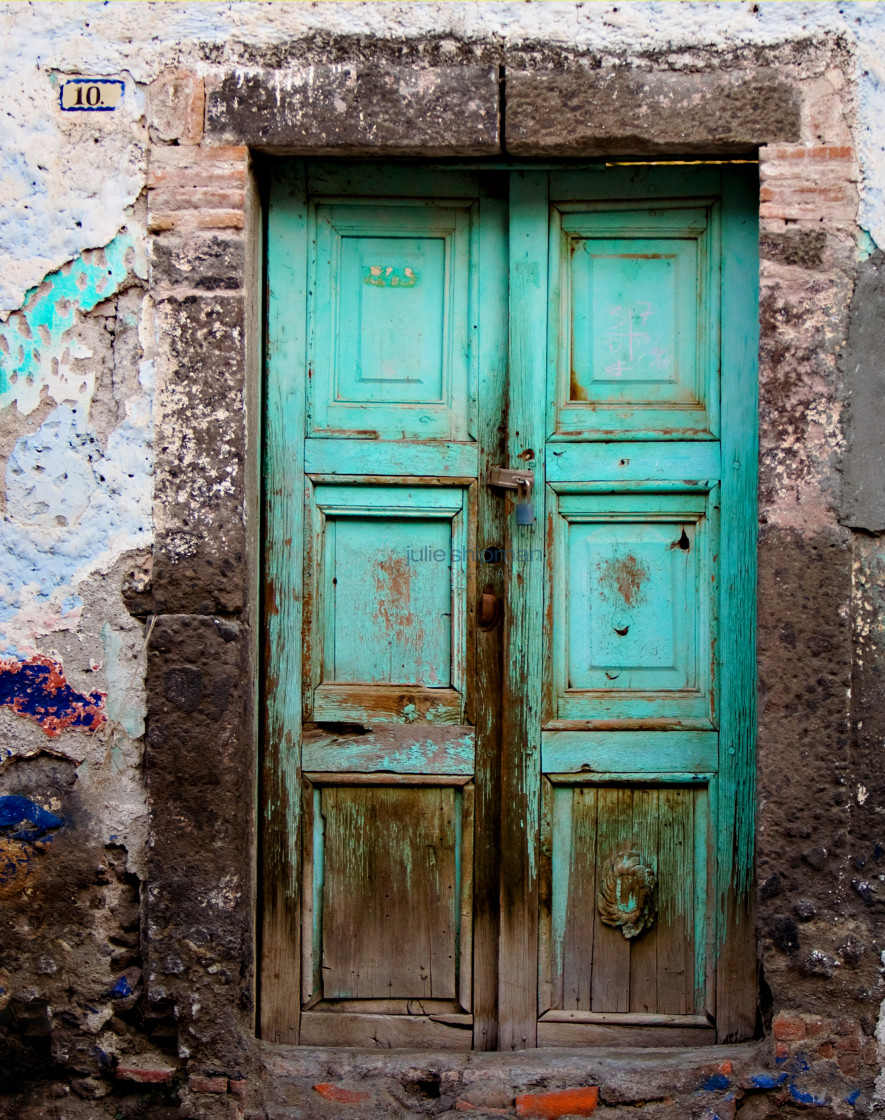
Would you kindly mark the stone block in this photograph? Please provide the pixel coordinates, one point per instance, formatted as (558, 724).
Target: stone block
(579, 111)
(863, 495)
(203, 262)
(200, 817)
(200, 562)
(359, 109)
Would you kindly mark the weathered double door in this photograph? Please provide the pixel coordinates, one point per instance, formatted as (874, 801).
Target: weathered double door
(508, 780)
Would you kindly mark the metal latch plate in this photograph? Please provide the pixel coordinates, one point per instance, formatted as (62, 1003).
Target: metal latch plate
(506, 479)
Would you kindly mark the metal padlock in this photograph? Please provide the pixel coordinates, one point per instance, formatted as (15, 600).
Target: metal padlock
(525, 507)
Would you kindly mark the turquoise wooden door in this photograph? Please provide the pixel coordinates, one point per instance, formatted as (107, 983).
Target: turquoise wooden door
(508, 760)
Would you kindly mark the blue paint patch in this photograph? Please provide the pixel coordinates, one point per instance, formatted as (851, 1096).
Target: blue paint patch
(716, 1082)
(38, 690)
(767, 1080)
(23, 825)
(796, 1063)
(852, 1097)
(121, 988)
(22, 819)
(70, 603)
(807, 1098)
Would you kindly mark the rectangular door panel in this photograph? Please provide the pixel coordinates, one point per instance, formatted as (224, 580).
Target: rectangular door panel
(388, 887)
(391, 355)
(634, 320)
(388, 615)
(624, 929)
(633, 633)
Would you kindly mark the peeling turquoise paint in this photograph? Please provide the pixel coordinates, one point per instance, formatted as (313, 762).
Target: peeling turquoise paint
(76, 497)
(34, 349)
(123, 705)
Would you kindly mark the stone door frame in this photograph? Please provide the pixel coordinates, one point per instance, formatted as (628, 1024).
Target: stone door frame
(205, 216)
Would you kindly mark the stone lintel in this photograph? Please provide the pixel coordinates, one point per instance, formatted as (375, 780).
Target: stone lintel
(624, 111)
(358, 110)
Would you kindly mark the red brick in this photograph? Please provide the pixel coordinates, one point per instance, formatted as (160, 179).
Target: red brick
(788, 1028)
(146, 1075)
(223, 173)
(201, 153)
(335, 1093)
(558, 1102)
(869, 1054)
(817, 1028)
(815, 152)
(849, 1045)
(825, 1050)
(844, 214)
(197, 198)
(207, 1084)
(196, 219)
(801, 192)
(725, 1067)
(849, 1064)
(238, 1087)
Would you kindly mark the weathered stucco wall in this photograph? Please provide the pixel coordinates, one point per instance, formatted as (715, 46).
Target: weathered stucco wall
(128, 332)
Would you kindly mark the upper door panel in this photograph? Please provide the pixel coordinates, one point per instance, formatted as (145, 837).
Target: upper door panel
(634, 320)
(391, 353)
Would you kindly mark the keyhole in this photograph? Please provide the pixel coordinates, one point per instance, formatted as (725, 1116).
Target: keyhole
(684, 543)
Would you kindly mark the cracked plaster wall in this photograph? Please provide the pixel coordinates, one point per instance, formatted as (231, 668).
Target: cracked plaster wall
(80, 352)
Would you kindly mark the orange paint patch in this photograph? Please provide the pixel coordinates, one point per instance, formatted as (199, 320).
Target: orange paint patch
(626, 576)
(560, 1102)
(338, 1095)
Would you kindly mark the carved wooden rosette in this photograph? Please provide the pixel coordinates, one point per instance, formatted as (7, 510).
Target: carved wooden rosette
(626, 898)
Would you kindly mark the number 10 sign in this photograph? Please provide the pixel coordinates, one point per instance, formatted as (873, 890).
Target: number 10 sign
(91, 95)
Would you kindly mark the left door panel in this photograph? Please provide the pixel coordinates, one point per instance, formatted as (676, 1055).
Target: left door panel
(378, 369)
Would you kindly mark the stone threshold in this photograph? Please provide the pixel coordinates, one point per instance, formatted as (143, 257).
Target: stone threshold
(475, 1079)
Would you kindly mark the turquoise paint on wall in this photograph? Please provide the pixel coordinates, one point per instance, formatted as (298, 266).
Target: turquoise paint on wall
(33, 341)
